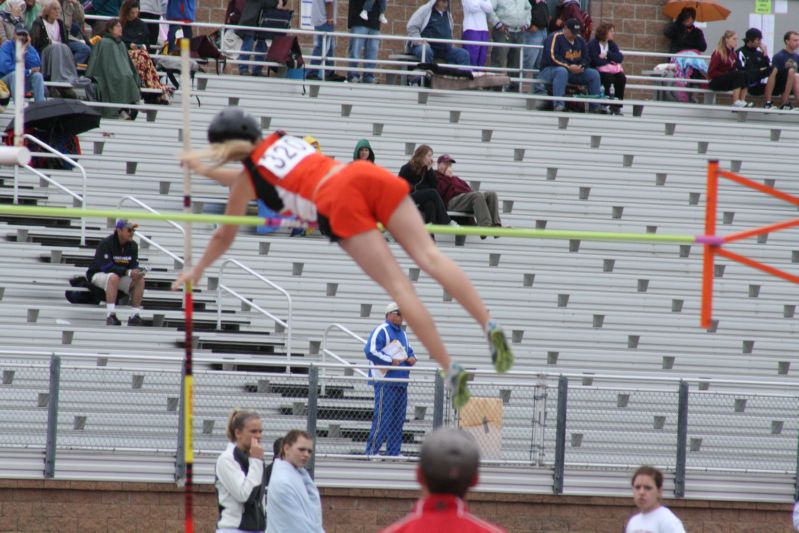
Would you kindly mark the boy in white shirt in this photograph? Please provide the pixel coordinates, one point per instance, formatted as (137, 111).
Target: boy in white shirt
(647, 483)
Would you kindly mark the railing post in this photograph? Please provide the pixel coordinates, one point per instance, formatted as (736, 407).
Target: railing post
(313, 397)
(180, 455)
(438, 402)
(324, 56)
(682, 440)
(560, 436)
(796, 478)
(52, 417)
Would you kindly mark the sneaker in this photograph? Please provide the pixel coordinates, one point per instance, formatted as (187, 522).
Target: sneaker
(739, 103)
(335, 77)
(364, 15)
(135, 320)
(598, 111)
(559, 108)
(112, 320)
(383, 19)
(313, 77)
(768, 105)
(616, 111)
(501, 354)
(750, 104)
(456, 382)
(786, 107)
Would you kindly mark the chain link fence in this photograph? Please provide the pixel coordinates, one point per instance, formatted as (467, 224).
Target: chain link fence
(537, 420)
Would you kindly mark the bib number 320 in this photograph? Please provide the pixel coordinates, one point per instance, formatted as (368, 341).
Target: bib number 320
(283, 156)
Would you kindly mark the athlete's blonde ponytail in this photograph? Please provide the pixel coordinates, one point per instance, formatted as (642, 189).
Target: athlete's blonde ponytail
(221, 153)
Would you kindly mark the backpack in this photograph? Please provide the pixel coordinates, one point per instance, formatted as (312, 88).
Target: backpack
(94, 295)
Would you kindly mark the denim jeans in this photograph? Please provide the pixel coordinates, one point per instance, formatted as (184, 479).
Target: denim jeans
(34, 82)
(366, 48)
(560, 76)
(369, 4)
(317, 49)
(80, 51)
(531, 54)
(247, 46)
(454, 56)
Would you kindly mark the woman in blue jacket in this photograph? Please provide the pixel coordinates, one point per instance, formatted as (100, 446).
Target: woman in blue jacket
(604, 56)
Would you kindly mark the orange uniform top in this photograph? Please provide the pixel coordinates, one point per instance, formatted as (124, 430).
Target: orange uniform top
(285, 172)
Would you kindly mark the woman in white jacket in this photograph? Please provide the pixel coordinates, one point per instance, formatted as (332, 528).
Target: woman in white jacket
(240, 482)
(293, 504)
(475, 28)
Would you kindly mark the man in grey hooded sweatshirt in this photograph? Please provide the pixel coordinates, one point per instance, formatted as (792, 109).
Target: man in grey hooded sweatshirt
(433, 20)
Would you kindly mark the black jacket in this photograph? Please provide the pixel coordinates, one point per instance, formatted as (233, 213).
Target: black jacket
(684, 38)
(111, 256)
(39, 38)
(540, 15)
(354, 15)
(426, 180)
(136, 32)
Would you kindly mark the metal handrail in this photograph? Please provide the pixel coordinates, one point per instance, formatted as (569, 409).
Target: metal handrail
(150, 209)
(69, 160)
(326, 352)
(287, 324)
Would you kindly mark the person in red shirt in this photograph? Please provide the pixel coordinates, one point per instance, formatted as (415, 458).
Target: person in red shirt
(347, 200)
(448, 468)
(459, 196)
(725, 71)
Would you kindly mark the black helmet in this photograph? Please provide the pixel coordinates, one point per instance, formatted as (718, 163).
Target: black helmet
(233, 123)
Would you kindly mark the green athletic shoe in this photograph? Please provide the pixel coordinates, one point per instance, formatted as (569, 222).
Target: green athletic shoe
(456, 381)
(501, 354)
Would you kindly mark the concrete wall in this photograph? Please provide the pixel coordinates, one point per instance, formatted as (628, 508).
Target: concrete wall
(28, 506)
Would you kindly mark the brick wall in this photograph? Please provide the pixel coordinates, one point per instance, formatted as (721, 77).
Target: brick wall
(28, 506)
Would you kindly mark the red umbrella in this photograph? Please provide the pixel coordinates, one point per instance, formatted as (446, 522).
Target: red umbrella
(706, 11)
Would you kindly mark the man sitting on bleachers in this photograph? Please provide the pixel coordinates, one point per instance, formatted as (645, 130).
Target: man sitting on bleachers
(116, 268)
(565, 60)
(34, 80)
(433, 20)
(459, 196)
(786, 61)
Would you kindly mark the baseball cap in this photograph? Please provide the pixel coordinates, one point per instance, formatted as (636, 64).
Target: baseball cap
(125, 223)
(574, 25)
(449, 460)
(752, 34)
(391, 307)
(20, 29)
(445, 158)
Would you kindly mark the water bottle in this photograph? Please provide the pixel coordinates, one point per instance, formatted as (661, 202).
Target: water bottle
(601, 92)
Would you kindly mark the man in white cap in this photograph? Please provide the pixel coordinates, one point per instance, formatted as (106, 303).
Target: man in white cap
(388, 347)
(116, 268)
(448, 467)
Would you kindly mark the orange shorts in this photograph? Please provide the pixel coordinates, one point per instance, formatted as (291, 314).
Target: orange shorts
(359, 196)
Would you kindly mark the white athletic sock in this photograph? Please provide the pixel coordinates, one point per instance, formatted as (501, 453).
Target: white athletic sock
(109, 309)
(136, 311)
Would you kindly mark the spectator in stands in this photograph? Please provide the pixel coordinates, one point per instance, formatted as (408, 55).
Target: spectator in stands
(152, 10)
(459, 196)
(180, 11)
(604, 56)
(30, 12)
(570, 9)
(683, 34)
(106, 8)
(116, 76)
(363, 150)
(419, 173)
(449, 464)
(74, 21)
(786, 61)
(433, 20)
(725, 71)
(251, 40)
(565, 60)
(323, 18)
(136, 36)
(509, 20)
(647, 483)
(388, 347)
(34, 81)
(475, 28)
(754, 61)
(361, 47)
(49, 37)
(536, 33)
(292, 501)
(10, 17)
(240, 477)
(116, 268)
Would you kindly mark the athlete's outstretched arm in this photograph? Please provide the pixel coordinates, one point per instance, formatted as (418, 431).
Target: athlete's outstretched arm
(238, 198)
